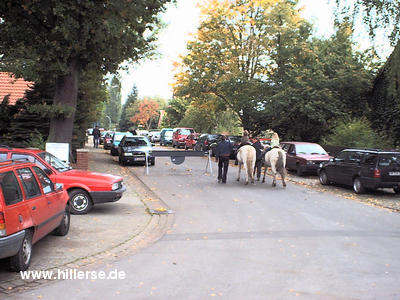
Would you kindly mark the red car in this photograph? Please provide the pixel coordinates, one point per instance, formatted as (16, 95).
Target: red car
(31, 207)
(85, 188)
(304, 157)
(179, 135)
(190, 141)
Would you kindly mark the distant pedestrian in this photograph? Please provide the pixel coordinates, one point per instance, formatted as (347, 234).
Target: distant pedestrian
(96, 137)
(259, 157)
(222, 153)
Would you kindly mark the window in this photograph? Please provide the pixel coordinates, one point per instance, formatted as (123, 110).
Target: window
(291, 149)
(45, 181)
(354, 157)
(3, 156)
(342, 156)
(55, 162)
(11, 191)
(28, 157)
(386, 160)
(29, 183)
(370, 159)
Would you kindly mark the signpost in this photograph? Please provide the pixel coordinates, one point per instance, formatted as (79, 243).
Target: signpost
(60, 150)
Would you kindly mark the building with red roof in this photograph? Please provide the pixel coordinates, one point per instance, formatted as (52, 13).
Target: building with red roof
(14, 87)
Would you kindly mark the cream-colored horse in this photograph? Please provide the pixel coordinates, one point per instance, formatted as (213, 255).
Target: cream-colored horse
(276, 159)
(246, 156)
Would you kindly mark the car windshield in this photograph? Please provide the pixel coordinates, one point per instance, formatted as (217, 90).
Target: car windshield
(134, 142)
(186, 131)
(55, 162)
(386, 160)
(310, 149)
(235, 139)
(168, 133)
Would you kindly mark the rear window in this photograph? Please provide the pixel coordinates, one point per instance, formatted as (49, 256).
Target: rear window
(11, 191)
(186, 131)
(310, 149)
(3, 156)
(386, 160)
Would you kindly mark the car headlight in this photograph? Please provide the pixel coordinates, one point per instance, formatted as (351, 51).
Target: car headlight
(128, 154)
(116, 186)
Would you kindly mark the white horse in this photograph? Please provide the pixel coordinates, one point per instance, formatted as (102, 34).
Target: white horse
(246, 156)
(276, 159)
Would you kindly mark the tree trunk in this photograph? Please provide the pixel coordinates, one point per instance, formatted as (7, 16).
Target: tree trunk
(66, 94)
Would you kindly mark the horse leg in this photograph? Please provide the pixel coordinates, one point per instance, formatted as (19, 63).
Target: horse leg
(265, 171)
(240, 166)
(273, 168)
(283, 174)
(246, 172)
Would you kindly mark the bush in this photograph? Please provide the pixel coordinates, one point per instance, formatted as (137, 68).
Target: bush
(357, 133)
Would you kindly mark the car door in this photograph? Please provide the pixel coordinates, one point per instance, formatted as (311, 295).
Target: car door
(351, 167)
(37, 204)
(16, 210)
(55, 203)
(291, 157)
(335, 170)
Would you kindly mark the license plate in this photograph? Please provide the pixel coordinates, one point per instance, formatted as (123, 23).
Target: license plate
(394, 173)
(140, 158)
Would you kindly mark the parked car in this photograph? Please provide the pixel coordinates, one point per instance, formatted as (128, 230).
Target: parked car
(363, 169)
(304, 157)
(108, 141)
(179, 135)
(103, 136)
(154, 136)
(133, 150)
(205, 140)
(31, 207)
(116, 138)
(84, 188)
(190, 141)
(166, 136)
(142, 132)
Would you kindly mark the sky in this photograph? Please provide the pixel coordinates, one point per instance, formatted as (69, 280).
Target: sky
(153, 78)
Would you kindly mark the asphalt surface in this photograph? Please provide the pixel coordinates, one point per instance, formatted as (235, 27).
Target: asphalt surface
(251, 242)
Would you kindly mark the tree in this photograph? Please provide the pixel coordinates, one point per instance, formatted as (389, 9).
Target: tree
(60, 38)
(175, 111)
(376, 14)
(125, 123)
(239, 52)
(148, 111)
(113, 106)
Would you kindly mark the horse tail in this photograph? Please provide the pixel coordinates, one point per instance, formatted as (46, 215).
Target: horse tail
(279, 162)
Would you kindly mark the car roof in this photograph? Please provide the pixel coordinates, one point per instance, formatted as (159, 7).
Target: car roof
(22, 150)
(14, 162)
(377, 151)
(300, 143)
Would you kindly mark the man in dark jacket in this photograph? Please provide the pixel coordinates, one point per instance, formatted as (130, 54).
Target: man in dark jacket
(96, 136)
(222, 152)
(259, 157)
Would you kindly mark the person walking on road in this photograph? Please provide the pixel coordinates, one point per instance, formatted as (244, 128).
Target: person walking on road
(222, 153)
(259, 157)
(96, 137)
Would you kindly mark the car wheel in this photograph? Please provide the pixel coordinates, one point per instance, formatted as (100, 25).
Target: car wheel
(63, 228)
(21, 261)
(299, 172)
(323, 177)
(358, 186)
(80, 202)
(396, 189)
(153, 162)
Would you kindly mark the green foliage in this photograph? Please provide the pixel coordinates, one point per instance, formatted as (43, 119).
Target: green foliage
(125, 123)
(113, 105)
(36, 140)
(356, 133)
(175, 111)
(57, 111)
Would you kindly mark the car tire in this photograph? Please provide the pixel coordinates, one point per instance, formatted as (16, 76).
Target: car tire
(323, 177)
(396, 189)
(358, 186)
(63, 228)
(22, 260)
(80, 202)
(153, 162)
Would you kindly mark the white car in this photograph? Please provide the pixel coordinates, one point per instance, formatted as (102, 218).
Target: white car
(154, 136)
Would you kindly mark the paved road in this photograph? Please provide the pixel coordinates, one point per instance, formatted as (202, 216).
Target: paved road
(252, 242)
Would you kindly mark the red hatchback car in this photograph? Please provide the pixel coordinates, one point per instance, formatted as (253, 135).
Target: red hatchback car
(179, 135)
(304, 157)
(85, 188)
(30, 208)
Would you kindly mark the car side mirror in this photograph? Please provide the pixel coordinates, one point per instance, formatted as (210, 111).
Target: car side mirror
(59, 186)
